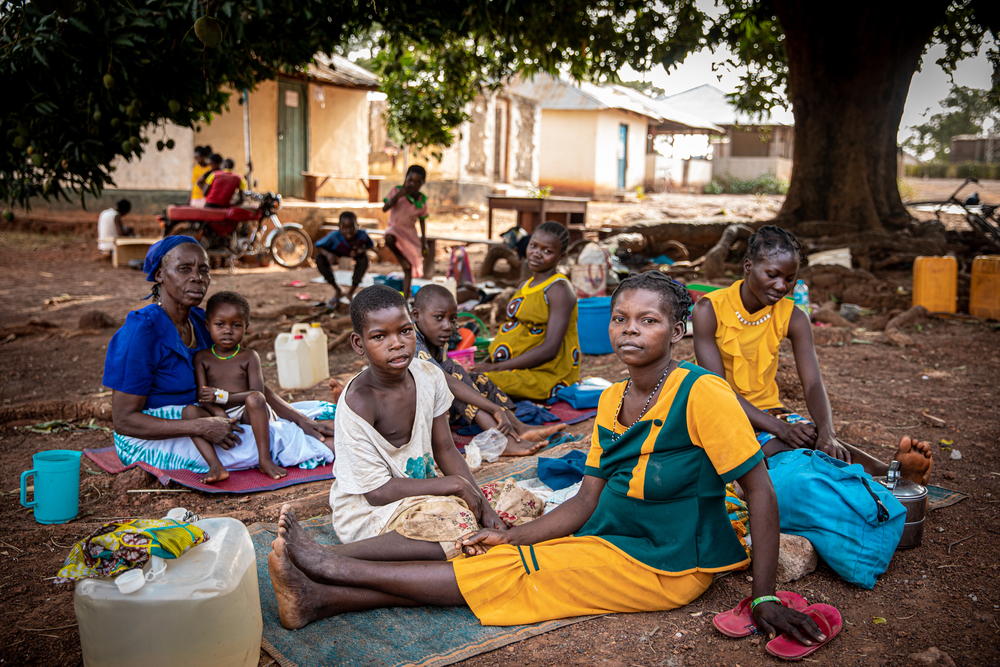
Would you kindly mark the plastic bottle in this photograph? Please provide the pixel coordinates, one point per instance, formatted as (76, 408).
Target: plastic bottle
(204, 609)
(801, 297)
(294, 359)
(317, 340)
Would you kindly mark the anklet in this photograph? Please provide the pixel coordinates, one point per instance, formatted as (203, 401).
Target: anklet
(225, 358)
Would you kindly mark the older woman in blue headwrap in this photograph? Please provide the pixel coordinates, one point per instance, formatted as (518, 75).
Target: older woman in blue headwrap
(150, 369)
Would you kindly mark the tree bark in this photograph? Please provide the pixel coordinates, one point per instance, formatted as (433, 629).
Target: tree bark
(849, 71)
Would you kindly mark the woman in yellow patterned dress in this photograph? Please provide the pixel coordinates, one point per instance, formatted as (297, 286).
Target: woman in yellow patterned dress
(537, 350)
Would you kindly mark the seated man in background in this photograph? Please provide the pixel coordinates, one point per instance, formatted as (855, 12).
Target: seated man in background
(223, 188)
(347, 241)
(110, 226)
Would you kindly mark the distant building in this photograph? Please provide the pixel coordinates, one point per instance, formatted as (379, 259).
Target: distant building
(316, 121)
(973, 148)
(595, 139)
(495, 149)
(748, 148)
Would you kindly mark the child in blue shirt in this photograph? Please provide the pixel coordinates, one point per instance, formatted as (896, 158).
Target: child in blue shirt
(348, 241)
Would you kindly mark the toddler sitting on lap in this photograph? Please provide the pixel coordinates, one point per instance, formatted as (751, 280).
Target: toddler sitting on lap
(230, 384)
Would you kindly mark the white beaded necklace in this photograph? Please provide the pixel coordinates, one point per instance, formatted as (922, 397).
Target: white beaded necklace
(755, 322)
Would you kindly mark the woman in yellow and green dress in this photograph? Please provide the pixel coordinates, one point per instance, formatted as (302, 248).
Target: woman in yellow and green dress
(537, 350)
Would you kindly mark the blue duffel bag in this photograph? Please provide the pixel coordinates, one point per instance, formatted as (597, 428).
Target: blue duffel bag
(854, 522)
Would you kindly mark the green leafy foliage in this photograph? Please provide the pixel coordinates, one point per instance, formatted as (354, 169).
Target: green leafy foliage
(966, 111)
(89, 84)
(980, 170)
(765, 184)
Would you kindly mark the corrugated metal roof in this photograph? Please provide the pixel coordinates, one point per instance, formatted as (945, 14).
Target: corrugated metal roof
(339, 71)
(565, 95)
(708, 102)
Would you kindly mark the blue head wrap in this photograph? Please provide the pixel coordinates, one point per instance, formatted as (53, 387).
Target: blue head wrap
(156, 252)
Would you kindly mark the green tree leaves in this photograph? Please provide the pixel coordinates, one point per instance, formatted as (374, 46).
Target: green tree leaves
(966, 111)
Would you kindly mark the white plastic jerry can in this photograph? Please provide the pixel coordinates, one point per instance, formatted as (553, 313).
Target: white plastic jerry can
(295, 364)
(317, 340)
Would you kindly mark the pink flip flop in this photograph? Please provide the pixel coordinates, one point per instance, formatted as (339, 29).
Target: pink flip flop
(829, 621)
(738, 621)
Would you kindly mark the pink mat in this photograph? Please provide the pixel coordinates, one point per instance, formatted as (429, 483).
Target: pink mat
(240, 481)
(561, 409)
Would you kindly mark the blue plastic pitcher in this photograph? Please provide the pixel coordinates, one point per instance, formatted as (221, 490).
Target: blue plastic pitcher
(57, 486)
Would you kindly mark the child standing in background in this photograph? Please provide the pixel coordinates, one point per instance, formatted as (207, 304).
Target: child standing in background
(406, 205)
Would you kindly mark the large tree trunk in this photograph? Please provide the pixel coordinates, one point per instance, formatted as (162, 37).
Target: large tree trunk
(849, 71)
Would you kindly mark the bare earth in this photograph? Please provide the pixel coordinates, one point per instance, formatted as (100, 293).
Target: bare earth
(939, 594)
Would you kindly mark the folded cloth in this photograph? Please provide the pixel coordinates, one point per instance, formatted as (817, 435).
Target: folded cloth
(580, 396)
(564, 471)
(526, 411)
(116, 547)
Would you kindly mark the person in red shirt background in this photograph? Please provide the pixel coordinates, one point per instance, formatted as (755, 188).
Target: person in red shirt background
(224, 188)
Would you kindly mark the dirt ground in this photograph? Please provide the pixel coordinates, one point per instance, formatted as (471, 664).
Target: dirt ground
(939, 594)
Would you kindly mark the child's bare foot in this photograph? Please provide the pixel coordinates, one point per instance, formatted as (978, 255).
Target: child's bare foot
(302, 549)
(272, 470)
(523, 448)
(916, 460)
(297, 596)
(215, 474)
(539, 433)
(336, 389)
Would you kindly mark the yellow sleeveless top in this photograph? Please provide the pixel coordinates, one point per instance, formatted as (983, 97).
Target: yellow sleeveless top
(750, 351)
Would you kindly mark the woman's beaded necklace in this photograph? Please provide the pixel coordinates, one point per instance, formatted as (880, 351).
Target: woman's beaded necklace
(215, 354)
(615, 435)
(755, 322)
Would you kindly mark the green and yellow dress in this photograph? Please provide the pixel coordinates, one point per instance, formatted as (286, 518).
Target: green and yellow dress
(527, 322)
(660, 530)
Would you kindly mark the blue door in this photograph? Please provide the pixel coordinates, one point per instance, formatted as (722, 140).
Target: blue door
(622, 154)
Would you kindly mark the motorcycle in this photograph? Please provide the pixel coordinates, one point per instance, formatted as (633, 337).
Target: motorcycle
(231, 233)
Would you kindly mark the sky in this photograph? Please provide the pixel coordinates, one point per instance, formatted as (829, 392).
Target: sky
(929, 86)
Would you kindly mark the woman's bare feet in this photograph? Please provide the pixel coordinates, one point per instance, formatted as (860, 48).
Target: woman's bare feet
(297, 595)
(539, 433)
(916, 460)
(336, 389)
(272, 470)
(303, 551)
(215, 474)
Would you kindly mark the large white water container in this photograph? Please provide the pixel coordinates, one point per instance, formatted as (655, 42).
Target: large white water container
(317, 340)
(204, 610)
(295, 363)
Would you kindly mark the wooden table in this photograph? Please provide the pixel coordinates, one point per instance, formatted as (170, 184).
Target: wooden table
(532, 211)
(369, 183)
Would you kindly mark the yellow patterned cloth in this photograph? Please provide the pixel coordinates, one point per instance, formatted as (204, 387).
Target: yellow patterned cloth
(527, 322)
(750, 351)
(739, 516)
(116, 547)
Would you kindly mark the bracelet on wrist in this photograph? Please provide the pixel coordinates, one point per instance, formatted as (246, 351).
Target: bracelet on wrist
(221, 396)
(762, 599)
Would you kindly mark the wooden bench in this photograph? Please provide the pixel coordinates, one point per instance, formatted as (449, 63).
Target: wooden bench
(128, 248)
(370, 183)
(432, 246)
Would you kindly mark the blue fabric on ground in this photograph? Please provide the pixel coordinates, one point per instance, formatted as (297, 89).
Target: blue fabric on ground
(562, 472)
(579, 396)
(526, 411)
(661, 259)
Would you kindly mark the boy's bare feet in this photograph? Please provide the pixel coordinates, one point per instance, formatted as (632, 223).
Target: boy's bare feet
(336, 389)
(523, 448)
(539, 433)
(272, 470)
(296, 594)
(303, 551)
(215, 474)
(916, 460)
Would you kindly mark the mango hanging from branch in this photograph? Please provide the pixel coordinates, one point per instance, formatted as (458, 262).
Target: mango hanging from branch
(208, 31)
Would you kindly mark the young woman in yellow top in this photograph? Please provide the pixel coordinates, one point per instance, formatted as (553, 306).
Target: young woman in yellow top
(646, 532)
(537, 350)
(737, 332)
